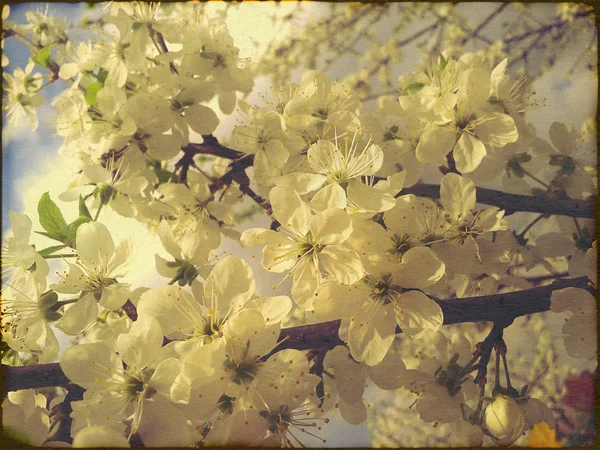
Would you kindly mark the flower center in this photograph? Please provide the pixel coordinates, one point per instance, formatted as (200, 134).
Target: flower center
(242, 371)
(453, 376)
(401, 244)
(383, 290)
(279, 420)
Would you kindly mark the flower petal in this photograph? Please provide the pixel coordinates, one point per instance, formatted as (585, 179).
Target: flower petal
(417, 313)
(468, 153)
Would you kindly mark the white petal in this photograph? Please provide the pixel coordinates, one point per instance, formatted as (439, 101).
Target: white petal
(369, 198)
(368, 163)
(21, 227)
(94, 244)
(370, 337)
(99, 436)
(168, 240)
(256, 237)
(96, 173)
(342, 264)
(88, 364)
(335, 301)
(349, 375)
(590, 261)
(140, 347)
(270, 160)
(201, 119)
(331, 196)
(580, 337)
(164, 425)
(173, 307)
(68, 70)
(554, 245)
(389, 374)
(354, 413)
(578, 301)
(332, 226)
(457, 195)
(227, 101)
(474, 89)
(468, 153)
(420, 268)
(79, 316)
(305, 282)
(434, 144)
(121, 256)
(115, 296)
(72, 281)
(496, 130)
(164, 376)
(301, 182)
(273, 309)
(289, 209)
(417, 313)
(230, 282)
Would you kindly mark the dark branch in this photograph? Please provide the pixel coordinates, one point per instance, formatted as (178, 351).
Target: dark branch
(484, 349)
(499, 308)
(512, 203)
(237, 168)
(485, 23)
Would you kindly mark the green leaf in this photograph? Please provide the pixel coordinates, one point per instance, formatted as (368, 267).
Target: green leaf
(443, 62)
(49, 250)
(48, 235)
(72, 229)
(92, 91)
(83, 209)
(51, 218)
(412, 87)
(42, 58)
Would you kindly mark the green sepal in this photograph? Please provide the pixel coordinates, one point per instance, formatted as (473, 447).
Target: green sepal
(48, 299)
(43, 57)
(412, 87)
(92, 90)
(72, 228)
(83, 209)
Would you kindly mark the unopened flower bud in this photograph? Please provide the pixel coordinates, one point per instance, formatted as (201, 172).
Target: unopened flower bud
(504, 420)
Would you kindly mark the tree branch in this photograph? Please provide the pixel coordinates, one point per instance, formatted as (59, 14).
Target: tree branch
(485, 23)
(239, 163)
(512, 203)
(499, 308)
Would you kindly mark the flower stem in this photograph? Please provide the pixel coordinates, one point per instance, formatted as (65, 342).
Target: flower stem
(508, 385)
(536, 179)
(98, 212)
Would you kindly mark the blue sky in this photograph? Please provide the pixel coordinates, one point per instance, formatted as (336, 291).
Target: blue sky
(24, 152)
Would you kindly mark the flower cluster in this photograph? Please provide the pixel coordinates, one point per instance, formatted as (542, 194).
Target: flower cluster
(203, 357)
